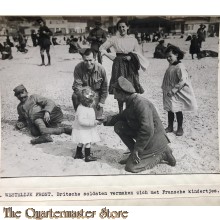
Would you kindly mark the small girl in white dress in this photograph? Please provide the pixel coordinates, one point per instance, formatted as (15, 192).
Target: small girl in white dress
(84, 126)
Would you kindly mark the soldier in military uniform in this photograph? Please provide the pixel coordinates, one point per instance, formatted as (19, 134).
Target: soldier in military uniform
(140, 128)
(41, 115)
(97, 37)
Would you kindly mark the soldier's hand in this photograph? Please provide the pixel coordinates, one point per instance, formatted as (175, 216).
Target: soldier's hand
(99, 39)
(170, 94)
(136, 157)
(47, 117)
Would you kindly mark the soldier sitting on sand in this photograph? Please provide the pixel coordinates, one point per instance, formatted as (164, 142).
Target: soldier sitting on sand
(41, 115)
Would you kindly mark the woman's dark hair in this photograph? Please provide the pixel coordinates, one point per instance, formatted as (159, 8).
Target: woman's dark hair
(122, 21)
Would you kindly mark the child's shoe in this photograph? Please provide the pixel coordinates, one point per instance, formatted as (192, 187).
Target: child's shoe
(179, 131)
(88, 157)
(79, 154)
(169, 129)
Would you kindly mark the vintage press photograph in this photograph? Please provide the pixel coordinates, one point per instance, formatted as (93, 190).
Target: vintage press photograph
(109, 95)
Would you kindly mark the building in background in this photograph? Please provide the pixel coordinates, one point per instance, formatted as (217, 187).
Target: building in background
(81, 25)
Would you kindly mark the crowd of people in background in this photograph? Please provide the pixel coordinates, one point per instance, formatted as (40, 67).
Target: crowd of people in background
(95, 38)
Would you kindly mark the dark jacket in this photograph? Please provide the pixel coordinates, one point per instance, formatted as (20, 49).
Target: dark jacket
(194, 46)
(160, 52)
(96, 37)
(97, 80)
(44, 38)
(142, 117)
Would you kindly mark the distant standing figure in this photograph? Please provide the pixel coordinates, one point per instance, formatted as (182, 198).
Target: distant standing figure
(97, 37)
(44, 42)
(194, 46)
(201, 34)
(155, 37)
(147, 38)
(8, 41)
(178, 95)
(22, 43)
(84, 126)
(34, 38)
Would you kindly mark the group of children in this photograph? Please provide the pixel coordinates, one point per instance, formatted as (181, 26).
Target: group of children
(178, 96)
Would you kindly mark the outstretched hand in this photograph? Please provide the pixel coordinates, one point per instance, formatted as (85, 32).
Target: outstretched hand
(103, 52)
(47, 117)
(99, 105)
(97, 122)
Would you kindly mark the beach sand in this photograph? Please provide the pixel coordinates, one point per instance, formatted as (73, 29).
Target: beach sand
(197, 151)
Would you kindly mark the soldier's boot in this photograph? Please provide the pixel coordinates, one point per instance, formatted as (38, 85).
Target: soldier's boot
(168, 157)
(68, 130)
(45, 138)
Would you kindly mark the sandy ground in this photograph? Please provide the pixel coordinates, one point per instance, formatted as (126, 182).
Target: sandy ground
(196, 151)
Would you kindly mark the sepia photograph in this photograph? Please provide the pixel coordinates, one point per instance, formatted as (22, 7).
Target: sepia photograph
(109, 95)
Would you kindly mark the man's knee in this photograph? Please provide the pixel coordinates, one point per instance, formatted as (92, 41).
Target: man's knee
(40, 125)
(119, 127)
(75, 100)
